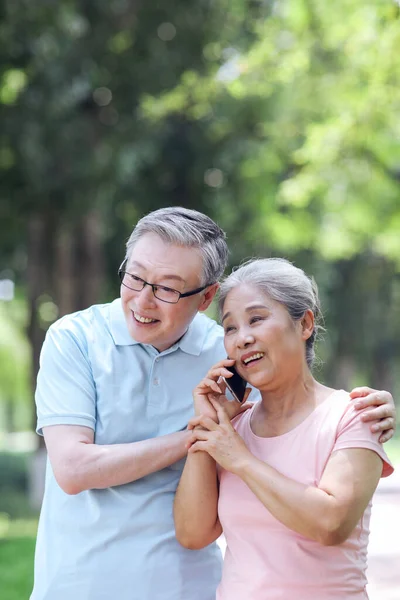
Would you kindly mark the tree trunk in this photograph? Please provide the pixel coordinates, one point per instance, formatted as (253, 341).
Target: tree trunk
(37, 279)
(381, 368)
(345, 372)
(91, 268)
(64, 271)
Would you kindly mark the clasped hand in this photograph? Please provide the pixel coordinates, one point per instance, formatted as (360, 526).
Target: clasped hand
(219, 440)
(211, 428)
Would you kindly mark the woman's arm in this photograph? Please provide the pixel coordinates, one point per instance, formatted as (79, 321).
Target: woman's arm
(196, 503)
(327, 513)
(196, 499)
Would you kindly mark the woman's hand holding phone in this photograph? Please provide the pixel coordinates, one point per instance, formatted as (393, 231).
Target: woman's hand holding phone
(213, 386)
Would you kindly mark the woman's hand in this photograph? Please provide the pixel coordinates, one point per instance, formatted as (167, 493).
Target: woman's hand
(212, 389)
(384, 411)
(219, 440)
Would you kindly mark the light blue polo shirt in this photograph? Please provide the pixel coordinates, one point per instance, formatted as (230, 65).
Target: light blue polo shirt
(119, 543)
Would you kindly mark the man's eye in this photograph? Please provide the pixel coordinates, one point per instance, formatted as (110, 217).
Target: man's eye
(167, 290)
(135, 278)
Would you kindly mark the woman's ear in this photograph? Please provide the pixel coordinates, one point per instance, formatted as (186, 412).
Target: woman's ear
(307, 324)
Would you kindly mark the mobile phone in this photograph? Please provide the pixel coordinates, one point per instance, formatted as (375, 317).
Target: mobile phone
(236, 385)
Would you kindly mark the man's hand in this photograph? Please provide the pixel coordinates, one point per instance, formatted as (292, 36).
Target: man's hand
(383, 410)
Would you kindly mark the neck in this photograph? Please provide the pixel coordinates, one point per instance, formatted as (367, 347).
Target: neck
(282, 409)
(163, 348)
(290, 398)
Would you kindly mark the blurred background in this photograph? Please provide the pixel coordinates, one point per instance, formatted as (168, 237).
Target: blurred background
(279, 119)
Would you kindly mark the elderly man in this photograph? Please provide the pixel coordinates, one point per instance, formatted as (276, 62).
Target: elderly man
(114, 396)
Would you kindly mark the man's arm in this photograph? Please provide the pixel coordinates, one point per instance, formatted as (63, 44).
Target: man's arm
(79, 464)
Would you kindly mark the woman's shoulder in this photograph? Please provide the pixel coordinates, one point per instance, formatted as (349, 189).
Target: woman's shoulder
(335, 402)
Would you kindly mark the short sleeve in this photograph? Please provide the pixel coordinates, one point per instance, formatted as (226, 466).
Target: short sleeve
(65, 392)
(352, 432)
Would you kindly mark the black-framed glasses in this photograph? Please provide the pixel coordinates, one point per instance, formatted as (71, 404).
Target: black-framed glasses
(162, 292)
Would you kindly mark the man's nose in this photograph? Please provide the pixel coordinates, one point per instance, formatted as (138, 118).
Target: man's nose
(145, 297)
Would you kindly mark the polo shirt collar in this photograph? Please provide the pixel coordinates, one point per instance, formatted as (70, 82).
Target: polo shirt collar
(191, 342)
(118, 328)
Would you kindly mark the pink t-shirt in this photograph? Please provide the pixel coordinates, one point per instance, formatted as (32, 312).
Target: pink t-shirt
(264, 559)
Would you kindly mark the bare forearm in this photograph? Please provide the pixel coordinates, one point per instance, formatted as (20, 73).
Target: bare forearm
(196, 502)
(308, 510)
(94, 466)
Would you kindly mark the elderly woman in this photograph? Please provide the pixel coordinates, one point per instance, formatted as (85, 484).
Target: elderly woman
(290, 480)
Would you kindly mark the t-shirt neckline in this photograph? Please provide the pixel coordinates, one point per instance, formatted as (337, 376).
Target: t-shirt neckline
(297, 427)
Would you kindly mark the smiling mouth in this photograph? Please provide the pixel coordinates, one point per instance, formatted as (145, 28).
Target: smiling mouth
(249, 360)
(143, 320)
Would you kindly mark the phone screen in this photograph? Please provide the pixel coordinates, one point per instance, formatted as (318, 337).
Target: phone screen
(236, 384)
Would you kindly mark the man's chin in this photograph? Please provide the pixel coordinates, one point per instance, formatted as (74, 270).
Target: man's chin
(146, 334)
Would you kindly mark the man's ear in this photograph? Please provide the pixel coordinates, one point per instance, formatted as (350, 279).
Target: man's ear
(307, 324)
(208, 296)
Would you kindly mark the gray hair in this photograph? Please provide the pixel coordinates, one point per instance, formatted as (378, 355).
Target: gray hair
(188, 228)
(283, 282)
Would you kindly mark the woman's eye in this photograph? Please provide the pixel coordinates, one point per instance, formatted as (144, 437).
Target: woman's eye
(255, 319)
(229, 329)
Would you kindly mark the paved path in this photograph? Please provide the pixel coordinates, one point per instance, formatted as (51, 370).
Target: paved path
(384, 544)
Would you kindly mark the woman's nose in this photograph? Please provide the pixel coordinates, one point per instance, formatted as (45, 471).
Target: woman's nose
(245, 339)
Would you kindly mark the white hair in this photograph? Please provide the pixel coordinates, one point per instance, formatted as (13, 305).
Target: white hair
(187, 228)
(283, 282)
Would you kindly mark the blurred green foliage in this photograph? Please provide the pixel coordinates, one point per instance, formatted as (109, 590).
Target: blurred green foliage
(17, 545)
(280, 120)
(14, 351)
(13, 469)
(15, 358)
(314, 104)
(14, 485)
